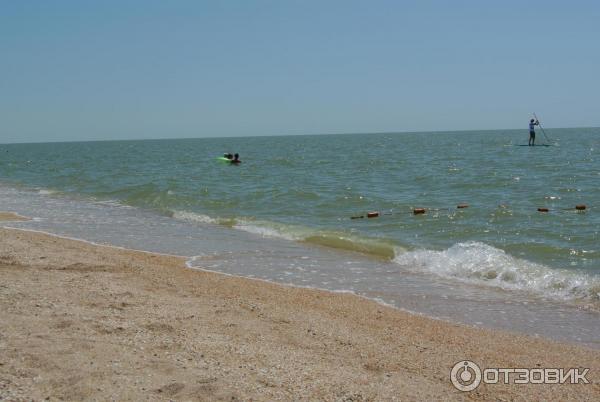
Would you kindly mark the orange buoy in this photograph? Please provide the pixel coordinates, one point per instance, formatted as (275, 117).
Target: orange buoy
(372, 214)
(418, 211)
(543, 210)
(460, 206)
(580, 207)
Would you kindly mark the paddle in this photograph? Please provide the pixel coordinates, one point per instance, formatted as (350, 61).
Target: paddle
(541, 128)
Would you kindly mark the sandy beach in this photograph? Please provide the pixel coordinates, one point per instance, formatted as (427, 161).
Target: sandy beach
(86, 322)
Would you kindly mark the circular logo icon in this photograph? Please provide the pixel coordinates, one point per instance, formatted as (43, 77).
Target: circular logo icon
(465, 375)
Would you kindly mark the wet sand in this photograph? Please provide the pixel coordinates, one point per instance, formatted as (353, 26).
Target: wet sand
(86, 322)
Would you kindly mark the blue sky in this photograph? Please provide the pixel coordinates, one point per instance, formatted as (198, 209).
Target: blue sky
(84, 70)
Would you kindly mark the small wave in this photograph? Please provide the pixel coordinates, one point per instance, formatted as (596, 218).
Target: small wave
(270, 229)
(193, 217)
(201, 218)
(46, 192)
(337, 240)
(342, 241)
(479, 263)
(112, 203)
(375, 247)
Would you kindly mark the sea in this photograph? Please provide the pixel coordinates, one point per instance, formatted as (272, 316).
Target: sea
(296, 212)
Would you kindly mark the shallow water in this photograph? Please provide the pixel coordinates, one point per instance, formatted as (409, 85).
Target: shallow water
(502, 267)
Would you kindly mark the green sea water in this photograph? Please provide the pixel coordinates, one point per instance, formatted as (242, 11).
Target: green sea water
(308, 188)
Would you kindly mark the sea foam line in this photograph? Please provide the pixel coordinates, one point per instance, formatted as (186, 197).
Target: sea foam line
(469, 262)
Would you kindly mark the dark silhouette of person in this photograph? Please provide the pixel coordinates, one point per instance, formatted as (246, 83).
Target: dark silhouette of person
(532, 124)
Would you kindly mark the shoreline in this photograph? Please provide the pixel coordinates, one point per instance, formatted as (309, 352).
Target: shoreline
(187, 262)
(493, 273)
(90, 321)
(12, 216)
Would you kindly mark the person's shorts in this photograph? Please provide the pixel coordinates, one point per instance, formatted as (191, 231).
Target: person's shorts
(532, 134)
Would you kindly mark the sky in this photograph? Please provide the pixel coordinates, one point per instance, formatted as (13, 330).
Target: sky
(95, 70)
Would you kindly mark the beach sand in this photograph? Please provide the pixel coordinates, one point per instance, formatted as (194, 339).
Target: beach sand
(86, 322)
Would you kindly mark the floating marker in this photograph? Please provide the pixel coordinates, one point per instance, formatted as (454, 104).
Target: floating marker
(421, 211)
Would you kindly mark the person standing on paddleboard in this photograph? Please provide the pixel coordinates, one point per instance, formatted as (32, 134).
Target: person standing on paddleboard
(532, 124)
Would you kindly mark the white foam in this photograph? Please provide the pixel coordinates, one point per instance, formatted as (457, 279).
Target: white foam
(194, 217)
(46, 192)
(264, 230)
(480, 263)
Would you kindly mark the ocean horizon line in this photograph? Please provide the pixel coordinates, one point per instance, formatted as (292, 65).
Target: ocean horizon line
(296, 135)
